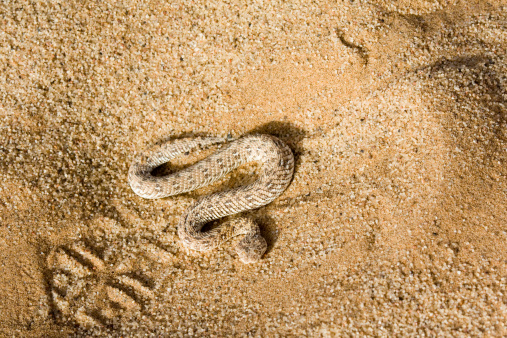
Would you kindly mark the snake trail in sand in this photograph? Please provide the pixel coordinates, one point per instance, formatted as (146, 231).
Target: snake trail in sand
(275, 173)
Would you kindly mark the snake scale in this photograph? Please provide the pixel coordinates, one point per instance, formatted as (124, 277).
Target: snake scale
(275, 173)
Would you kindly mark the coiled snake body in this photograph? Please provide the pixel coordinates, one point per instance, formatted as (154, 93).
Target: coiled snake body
(276, 170)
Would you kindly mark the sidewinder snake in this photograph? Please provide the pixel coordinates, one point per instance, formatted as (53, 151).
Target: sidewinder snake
(275, 173)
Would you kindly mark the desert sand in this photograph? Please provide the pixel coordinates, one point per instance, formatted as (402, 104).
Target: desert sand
(395, 223)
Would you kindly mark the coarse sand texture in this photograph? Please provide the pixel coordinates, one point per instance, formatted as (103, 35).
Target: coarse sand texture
(392, 222)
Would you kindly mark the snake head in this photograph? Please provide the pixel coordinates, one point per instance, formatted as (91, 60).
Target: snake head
(251, 248)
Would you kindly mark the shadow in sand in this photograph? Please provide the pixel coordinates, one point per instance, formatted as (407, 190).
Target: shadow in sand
(285, 131)
(268, 230)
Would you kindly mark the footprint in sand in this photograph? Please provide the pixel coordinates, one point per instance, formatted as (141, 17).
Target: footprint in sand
(106, 275)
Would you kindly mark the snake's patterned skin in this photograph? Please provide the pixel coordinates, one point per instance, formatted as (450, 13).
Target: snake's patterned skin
(276, 171)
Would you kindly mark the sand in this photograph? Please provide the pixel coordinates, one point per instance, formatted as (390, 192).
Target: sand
(394, 224)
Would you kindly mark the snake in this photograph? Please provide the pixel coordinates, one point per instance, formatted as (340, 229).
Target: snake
(275, 172)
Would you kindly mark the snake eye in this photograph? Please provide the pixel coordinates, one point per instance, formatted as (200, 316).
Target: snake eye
(251, 248)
